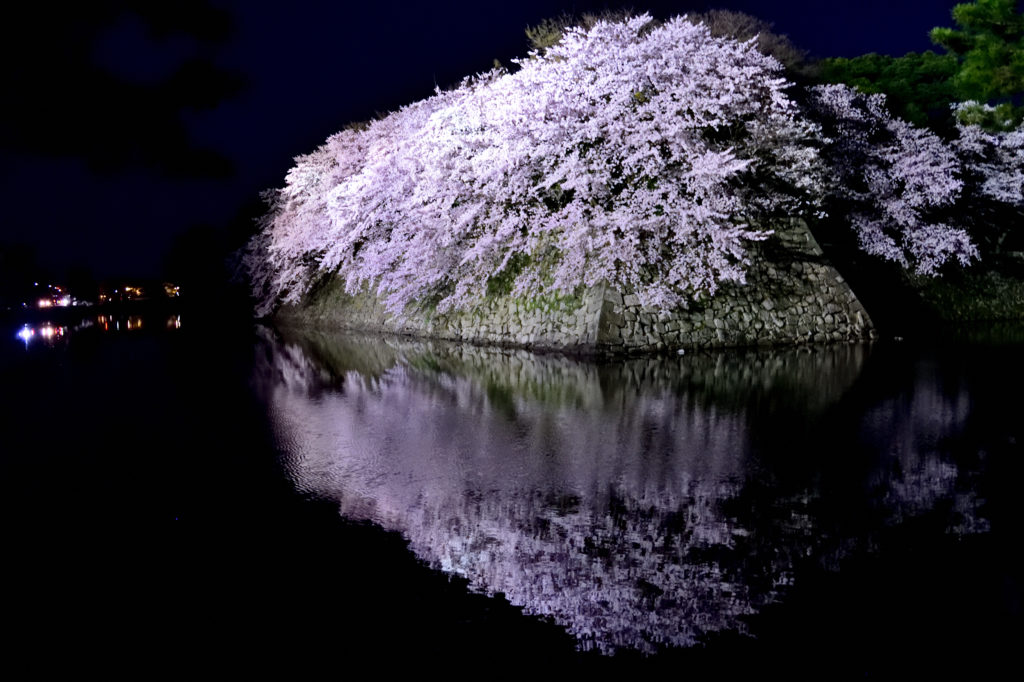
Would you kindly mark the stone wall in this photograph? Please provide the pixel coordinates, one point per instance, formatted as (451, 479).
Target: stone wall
(792, 295)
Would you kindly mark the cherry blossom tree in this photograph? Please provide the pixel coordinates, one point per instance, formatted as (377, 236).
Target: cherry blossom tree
(892, 180)
(651, 156)
(993, 163)
(620, 154)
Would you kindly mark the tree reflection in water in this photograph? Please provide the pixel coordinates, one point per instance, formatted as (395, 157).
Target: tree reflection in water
(638, 502)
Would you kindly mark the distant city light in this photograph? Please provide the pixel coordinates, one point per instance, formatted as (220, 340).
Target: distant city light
(63, 302)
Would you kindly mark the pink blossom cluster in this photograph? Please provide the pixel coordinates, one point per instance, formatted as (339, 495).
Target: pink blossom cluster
(895, 180)
(625, 153)
(993, 161)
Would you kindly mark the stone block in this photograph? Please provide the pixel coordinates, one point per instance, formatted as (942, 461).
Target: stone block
(614, 319)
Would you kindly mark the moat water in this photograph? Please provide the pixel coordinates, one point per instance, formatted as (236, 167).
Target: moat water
(180, 490)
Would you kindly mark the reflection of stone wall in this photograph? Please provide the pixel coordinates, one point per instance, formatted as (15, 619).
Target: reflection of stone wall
(807, 376)
(792, 295)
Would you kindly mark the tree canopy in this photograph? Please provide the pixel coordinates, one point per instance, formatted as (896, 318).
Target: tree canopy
(984, 63)
(618, 154)
(989, 47)
(648, 155)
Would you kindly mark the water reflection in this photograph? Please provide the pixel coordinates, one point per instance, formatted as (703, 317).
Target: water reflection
(636, 503)
(51, 334)
(45, 333)
(909, 432)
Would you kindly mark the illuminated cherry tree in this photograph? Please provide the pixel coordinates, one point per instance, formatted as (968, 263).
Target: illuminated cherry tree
(993, 174)
(624, 153)
(994, 161)
(651, 157)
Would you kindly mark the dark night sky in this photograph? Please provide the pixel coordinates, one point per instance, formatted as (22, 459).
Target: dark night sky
(125, 129)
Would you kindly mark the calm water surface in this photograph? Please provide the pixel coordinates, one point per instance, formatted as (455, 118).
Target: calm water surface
(175, 491)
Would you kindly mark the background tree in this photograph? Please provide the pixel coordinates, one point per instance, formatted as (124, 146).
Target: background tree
(989, 48)
(918, 87)
(984, 64)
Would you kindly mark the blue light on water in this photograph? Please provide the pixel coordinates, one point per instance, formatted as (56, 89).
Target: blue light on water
(26, 333)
